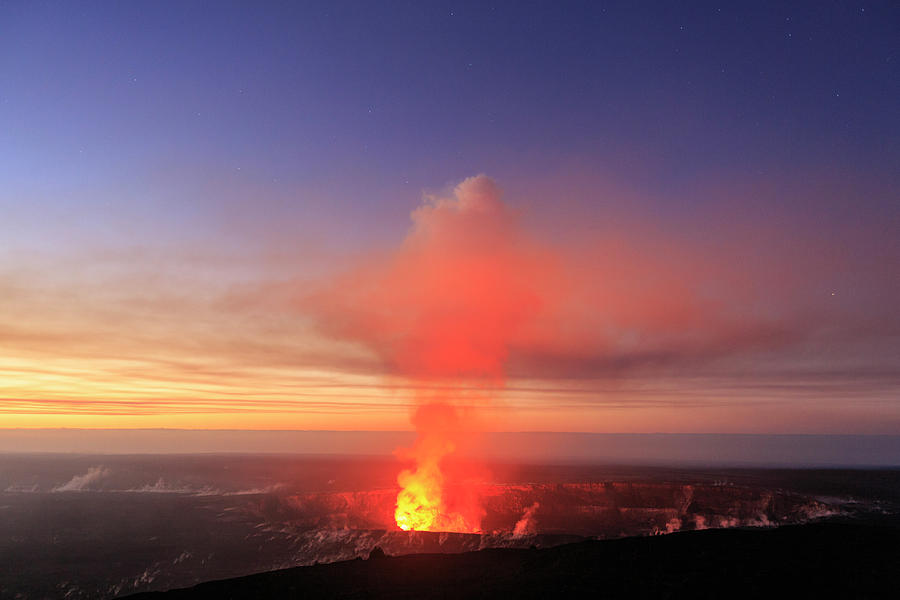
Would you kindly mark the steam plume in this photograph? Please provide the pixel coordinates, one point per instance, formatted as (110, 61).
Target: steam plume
(469, 292)
(80, 483)
(464, 286)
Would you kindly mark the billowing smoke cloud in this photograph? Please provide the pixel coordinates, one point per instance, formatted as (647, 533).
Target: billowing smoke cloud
(469, 292)
(472, 293)
(464, 287)
(80, 483)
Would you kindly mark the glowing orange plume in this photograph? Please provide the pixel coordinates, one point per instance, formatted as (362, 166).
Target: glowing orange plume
(443, 310)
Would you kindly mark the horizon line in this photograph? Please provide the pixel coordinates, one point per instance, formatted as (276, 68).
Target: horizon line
(411, 431)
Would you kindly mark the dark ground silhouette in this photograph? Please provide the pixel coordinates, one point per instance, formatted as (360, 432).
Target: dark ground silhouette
(849, 559)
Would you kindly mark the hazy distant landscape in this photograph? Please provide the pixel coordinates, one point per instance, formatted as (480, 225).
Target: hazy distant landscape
(100, 526)
(820, 450)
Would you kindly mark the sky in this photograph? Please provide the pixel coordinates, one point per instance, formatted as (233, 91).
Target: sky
(238, 216)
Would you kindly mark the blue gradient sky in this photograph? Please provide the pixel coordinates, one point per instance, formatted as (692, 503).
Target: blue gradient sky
(161, 163)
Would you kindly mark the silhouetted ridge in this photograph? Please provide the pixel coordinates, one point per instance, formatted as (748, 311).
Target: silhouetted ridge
(822, 560)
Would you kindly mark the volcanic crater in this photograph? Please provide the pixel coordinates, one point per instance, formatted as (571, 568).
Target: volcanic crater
(331, 526)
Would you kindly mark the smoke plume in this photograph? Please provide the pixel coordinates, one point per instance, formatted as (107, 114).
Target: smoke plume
(465, 286)
(80, 483)
(527, 525)
(470, 292)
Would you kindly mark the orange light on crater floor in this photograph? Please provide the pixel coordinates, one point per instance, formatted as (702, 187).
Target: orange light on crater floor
(425, 501)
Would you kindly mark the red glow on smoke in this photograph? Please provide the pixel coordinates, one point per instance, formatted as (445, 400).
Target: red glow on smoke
(443, 311)
(468, 293)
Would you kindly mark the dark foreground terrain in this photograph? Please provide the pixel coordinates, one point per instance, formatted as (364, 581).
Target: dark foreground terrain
(96, 527)
(827, 559)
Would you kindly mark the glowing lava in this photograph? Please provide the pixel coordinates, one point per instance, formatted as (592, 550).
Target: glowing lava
(425, 503)
(420, 505)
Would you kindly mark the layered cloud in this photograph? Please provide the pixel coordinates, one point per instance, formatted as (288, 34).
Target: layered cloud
(624, 315)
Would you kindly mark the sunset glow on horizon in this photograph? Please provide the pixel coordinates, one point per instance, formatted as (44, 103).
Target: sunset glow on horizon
(235, 241)
(254, 352)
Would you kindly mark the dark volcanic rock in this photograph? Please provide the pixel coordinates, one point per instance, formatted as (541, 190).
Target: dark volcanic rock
(846, 560)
